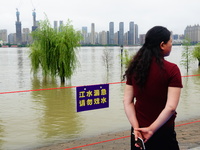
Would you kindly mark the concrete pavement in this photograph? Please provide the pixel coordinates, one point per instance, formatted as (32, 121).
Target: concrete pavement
(188, 136)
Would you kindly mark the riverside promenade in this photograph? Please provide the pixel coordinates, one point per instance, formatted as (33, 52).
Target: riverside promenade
(188, 136)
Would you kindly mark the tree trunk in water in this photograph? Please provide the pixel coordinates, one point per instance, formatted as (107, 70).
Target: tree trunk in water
(62, 79)
(199, 62)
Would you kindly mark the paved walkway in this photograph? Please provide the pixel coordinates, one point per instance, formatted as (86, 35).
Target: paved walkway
(188, 135)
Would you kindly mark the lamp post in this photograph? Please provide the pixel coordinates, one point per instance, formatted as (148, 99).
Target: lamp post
(121, 47)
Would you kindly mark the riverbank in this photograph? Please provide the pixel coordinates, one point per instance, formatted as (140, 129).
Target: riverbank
(188, 132)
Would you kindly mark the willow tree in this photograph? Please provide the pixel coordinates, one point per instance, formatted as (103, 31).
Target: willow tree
(186, 54)
(196, 53)
(55, 51)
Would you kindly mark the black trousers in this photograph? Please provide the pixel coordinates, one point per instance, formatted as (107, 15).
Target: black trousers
(163, 139)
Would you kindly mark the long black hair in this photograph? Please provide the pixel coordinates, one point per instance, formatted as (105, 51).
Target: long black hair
(140, 64)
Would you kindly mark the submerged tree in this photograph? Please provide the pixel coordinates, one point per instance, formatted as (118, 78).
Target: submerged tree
(54, 51)
(186, 54)
(196, 53)
(126, 59)
(107, 58)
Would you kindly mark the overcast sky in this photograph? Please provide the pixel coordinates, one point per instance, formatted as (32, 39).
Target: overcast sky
(173, 14)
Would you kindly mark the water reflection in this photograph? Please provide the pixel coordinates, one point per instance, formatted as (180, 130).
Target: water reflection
(190, 96)
(107, 59)
(57, 109)
(20, 67)
(46, 117)
(2, 132)
(196, 72)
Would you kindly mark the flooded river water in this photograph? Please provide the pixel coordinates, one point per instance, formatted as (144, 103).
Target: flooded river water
(30, 118)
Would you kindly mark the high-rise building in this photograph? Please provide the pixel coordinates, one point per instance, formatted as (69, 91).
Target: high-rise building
(131, 35)
(12, 38)
(142, 39)
(136, 35)
(85, 36)
(18, 29)
(192, 33)
(3, 35)
(34, 27)
(175, 37)
(116, 37)
(92, 35)
(111, 33)
(103, 37)
(60, 25)
(26, 38)
(61, 22)
(55, 25)
(107, 35)
(121, 33)
(126, 37)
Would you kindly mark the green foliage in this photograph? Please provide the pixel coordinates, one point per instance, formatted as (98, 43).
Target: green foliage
(186, 54)
(196, 53)
(54, 51)
(126, 58)
(100, 45)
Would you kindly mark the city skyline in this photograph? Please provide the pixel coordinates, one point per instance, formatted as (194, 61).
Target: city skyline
(54, 23)
(33, 24)
(174, 15)
(111, 36)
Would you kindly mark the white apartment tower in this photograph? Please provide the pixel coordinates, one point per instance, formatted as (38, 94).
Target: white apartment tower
(92, 35)
(3, 35)
(193, 33)
(136, 35)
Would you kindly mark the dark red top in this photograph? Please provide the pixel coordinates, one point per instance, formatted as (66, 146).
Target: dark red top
(152, 99)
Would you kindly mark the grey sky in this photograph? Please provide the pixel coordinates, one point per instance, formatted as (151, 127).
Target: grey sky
(173, 14)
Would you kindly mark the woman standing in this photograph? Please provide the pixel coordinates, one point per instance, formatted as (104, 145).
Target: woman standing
(152, 92)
